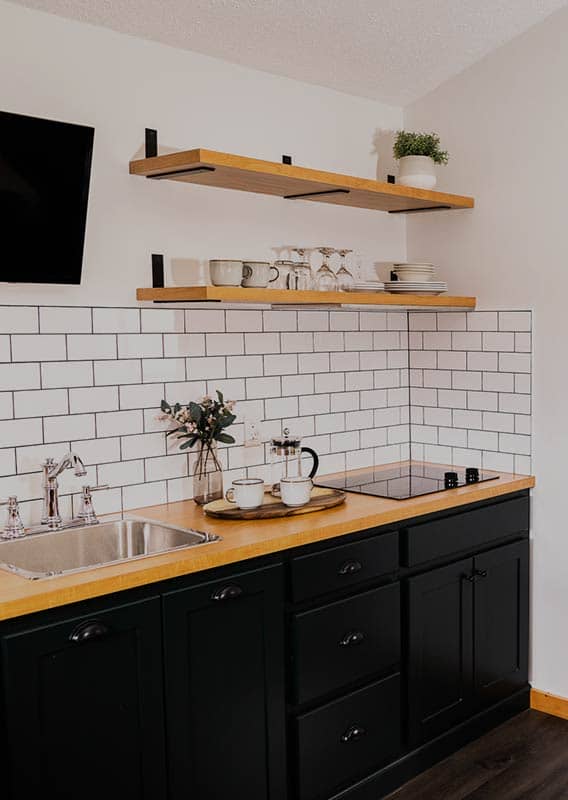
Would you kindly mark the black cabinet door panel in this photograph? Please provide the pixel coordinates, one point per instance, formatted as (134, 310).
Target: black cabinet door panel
(83, 702)
(464, 532)
(345, 641)
(501, 622)
(348, 738)
(225, 690)
(440, 649)
(344, 566)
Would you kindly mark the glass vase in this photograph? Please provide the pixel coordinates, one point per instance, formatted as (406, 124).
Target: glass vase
(207, 474)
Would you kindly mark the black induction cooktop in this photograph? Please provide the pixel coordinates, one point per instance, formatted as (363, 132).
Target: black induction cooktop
(410, 479)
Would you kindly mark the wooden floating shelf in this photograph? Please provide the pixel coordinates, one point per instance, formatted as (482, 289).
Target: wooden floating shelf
(227, 171)
(238, 294)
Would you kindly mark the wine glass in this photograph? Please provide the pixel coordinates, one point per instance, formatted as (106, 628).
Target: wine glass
(325, 277)
(345, 279)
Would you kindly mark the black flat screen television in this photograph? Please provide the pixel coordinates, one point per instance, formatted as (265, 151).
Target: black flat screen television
(45, 169)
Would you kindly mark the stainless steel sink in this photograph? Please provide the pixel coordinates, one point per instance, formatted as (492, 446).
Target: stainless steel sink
(52, 553)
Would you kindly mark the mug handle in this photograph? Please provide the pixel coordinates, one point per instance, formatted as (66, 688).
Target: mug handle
(230, 495)
(271, 280)
(247, 271)
(315, 457)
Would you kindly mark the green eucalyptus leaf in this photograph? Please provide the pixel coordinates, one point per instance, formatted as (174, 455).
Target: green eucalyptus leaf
(196, 412)
(226, 438)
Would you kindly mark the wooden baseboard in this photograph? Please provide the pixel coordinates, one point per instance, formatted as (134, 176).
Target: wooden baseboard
(549, 703)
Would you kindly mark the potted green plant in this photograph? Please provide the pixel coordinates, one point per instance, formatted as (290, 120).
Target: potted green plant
(418, 153)
(203, 424)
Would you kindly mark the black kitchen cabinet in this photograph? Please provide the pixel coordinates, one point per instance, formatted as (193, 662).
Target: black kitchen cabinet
(440, 649)
(82, 704)
(224, 661)
(501, 622)
(467, 638)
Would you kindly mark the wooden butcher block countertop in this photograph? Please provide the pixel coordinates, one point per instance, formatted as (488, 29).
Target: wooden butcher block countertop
(241, 540)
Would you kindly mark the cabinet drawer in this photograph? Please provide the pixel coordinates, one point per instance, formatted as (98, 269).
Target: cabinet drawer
(461, 532)
(348, 738)
(342, 566)
(345, 641)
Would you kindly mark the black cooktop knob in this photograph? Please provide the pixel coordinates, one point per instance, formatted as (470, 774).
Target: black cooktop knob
(450, 480)
(471, 475)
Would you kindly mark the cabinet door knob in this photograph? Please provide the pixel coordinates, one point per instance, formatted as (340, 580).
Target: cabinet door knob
(350, 568)
(482, 573)
(92, 629)
(351, 638)
(470, 578)
(353, 734)
(230, 592)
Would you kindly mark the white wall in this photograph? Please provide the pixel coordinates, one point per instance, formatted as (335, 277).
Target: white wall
(505, 123)
(66, 70)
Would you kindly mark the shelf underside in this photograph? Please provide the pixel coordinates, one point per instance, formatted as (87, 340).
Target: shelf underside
(224, 170)
(238, 294)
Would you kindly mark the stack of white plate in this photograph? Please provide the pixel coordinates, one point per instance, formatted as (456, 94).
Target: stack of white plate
(416, 287)
(367, 286)
(415, 279)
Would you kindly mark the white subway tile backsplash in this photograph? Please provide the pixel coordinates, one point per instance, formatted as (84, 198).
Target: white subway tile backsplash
(362, 340)
(466, 341)
(143, 445)
(19, 319)
(499, 341)
(63, 429)
(243, 321)
(144, 494)
(118, 423)
(281, 320)
(501, 462)
(162, 320)
(109, 373)
(116, 320)
(328, 375)
(35, 347)
(280, 364)
(329, 382)
(41, 402)
(184, 344)
(482, 321)
(156, 370)
(141, 396)
(85, 347)
(260, 343)
(514, 362)
(514, 320)
(515, 403)
(65, 320)
(302, 342)
(515, 443)
(6, 405)
(120, 473)
(18, 432)
(140, 345)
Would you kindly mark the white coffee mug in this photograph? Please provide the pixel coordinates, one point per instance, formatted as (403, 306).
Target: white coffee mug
(226, 272)
(295, 491)
(246, 493)
(256, 274)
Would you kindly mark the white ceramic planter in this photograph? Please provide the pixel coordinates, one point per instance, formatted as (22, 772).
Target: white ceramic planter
(417, 171)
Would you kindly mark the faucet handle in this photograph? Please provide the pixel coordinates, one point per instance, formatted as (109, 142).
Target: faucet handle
(14, 527)
(87, 512)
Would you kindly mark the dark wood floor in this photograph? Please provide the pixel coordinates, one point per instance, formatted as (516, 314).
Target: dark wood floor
(524, 759)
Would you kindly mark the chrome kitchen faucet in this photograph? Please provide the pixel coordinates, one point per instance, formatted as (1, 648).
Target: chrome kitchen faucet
(51, 471)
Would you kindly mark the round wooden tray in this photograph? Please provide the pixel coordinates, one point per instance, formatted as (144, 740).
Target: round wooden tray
(274, 507)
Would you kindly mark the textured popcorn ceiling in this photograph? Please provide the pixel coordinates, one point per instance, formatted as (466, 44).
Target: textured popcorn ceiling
(389, 50)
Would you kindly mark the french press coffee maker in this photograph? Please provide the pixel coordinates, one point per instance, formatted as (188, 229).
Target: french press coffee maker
(286, 459)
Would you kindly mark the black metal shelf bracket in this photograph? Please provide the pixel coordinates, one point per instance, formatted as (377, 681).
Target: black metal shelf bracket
(160, 176)
(418, 210)
(315, 194)
(151, 142)
(287, 159)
